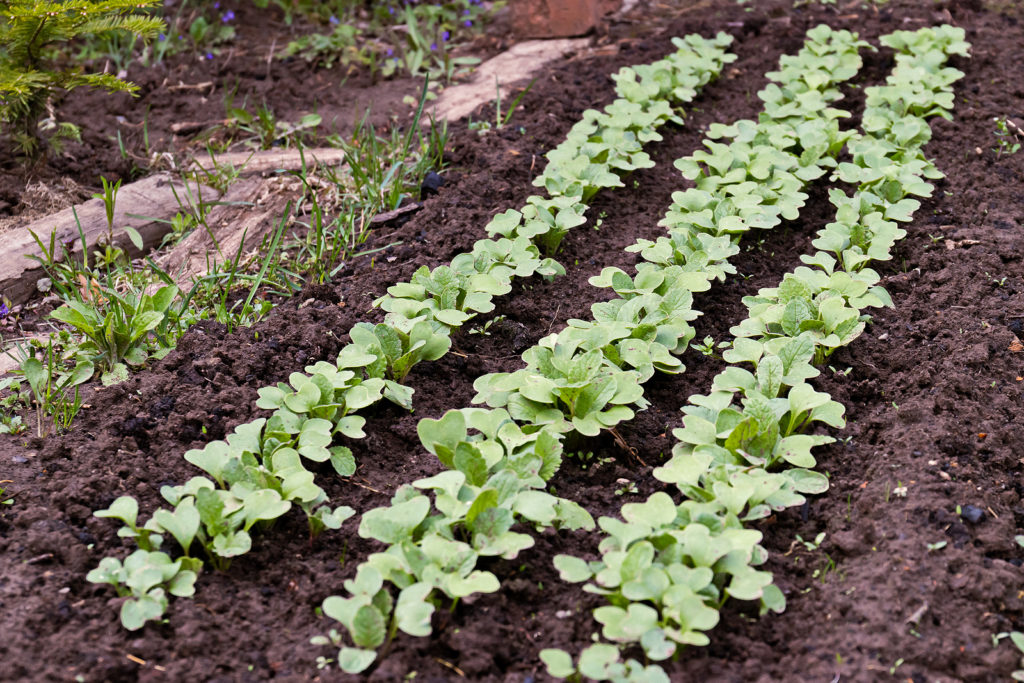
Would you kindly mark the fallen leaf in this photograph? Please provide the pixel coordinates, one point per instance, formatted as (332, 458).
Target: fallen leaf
(1016, 346)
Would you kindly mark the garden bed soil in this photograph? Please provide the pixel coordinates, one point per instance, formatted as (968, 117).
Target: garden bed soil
(932, 452)
(182, 103)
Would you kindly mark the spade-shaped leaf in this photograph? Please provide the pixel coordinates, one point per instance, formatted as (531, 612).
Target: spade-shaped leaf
(368, 627)
(135, 612)
(412, 610)
(355, 660)
(124, 508)
(183, 523)
(264, 504)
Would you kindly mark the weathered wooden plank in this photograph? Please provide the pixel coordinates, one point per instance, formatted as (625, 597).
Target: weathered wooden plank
(250, 210)
(510, 68)
(157, 197)
(251, 163)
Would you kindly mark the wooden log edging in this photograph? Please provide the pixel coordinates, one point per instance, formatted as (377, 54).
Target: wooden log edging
(147, 205)
(144, 205)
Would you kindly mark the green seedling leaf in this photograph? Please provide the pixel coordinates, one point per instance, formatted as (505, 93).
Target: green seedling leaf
(487, 499)
(265, 504)
(657, 511)
(212, 459)
(393, 524)
(470, 462)
(182, 524)
(354, 660)
(343, 461)
(477, 582)
(125, 508)
(412, 610)
(117, 374)
(183, 585)
(558, 662)
(135, 612)
(232, 544)
(572, 569)
(656, 645)
(368, 627)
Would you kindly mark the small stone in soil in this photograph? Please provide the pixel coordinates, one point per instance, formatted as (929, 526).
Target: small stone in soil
(431, 183)
(972, 514)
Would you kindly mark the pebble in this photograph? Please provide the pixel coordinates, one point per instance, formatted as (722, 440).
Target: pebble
(972, 514)
(431, 183)
(19, 459)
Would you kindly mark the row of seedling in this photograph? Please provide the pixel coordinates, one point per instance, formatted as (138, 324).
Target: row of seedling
(257, 474)
(583, 380)
(745, 448)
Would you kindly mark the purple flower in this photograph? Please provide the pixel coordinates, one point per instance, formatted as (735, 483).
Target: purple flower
(433, 46)
(467, 23)
(390, 52)
(4, 311)
(161, 37)
(209, 55)
(334, 20)
(228, 16)
(216, 5)
(445, 36)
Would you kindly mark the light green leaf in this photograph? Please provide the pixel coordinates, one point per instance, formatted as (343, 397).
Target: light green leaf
(135, 612)
(124, 508)
(354, 660)
(558, 662)
(343, 461)
(572, 569)
(183, 523)
(412, 610)
(368, 627)
(264, 504)
(393, 524)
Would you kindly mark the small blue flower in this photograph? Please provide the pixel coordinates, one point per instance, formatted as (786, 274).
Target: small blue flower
(229, 16)
(467, 23)
(390, 52)
(216, 5)
(4, 311)
(433, 47)
(334, 20)
(445, 36)
(209, 55)
(161, 37)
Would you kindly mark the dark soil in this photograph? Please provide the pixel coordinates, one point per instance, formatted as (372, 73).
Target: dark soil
(125, 136)
(932, 453)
